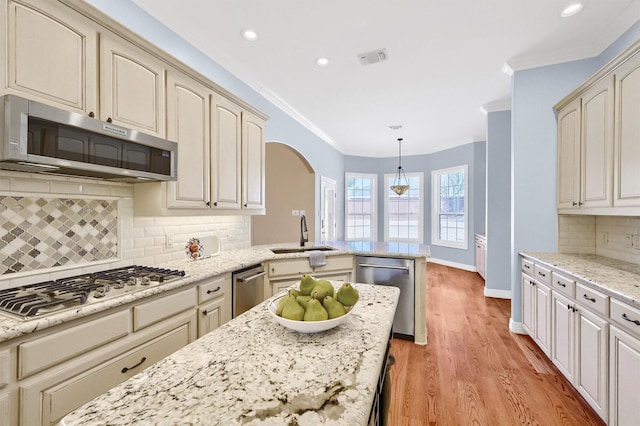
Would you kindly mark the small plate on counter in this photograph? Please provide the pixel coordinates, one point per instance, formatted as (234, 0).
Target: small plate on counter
(198, 248)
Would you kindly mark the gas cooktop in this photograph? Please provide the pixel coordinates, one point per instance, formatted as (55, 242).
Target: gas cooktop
(35, 300)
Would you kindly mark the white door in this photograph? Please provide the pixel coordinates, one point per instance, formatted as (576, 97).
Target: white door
(327, 209)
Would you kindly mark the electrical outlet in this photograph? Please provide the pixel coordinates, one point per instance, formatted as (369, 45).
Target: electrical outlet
(302, 213)
(168, 240)
(295, 212)
(636, 242)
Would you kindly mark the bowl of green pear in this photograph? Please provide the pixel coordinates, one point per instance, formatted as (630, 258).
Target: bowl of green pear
(317, 305)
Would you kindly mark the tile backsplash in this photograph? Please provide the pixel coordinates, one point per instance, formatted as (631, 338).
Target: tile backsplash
(130, 240)
(616, 237)
(39, 232)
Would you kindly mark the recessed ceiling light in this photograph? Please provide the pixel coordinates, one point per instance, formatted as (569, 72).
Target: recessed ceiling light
(571, 10)
(322, 61)
(395, 127)
(250, 35)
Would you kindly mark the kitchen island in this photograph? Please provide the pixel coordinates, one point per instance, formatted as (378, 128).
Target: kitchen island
(254, 371)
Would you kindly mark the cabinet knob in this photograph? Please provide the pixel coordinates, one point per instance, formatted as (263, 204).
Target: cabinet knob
(574, 204)
(215, 203)
(246, 205)
(109, 120)
(208, 203)
(580, 203)
(204, 313)
(91, 114)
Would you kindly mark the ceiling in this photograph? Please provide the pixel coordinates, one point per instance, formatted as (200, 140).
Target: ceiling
(445, 59)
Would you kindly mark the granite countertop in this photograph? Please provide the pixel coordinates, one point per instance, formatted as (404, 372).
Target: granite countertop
(616, 278)
(226, 261)
(253, 371)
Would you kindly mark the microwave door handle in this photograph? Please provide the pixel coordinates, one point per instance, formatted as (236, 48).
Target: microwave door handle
(250, 278)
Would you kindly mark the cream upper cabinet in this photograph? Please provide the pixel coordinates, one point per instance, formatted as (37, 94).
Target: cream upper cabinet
(50, 54)
(226, 152)
(627, 133)
(132, 86)
(237, 157)
(253, 162)
(597, 145)
(585, 148)
(569, 155)
(188, 125)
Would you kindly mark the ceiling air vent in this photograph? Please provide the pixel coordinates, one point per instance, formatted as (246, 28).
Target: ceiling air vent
(373, 57)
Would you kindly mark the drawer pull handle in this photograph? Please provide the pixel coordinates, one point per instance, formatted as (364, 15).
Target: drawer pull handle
(125, 369)
(527, 266)
(541, 274)
(213, 291)
(625, 317)
(590, 299)
(561, 284)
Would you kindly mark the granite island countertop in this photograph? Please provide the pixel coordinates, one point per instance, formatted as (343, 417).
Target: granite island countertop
(613, 277)
(226, 261)
(253, 371)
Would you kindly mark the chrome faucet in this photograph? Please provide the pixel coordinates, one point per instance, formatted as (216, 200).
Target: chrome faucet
(303, 229)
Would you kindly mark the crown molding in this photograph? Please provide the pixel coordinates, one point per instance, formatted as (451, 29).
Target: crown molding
(496, 106)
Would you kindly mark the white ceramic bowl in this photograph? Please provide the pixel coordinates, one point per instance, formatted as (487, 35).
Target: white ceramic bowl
(305, 326)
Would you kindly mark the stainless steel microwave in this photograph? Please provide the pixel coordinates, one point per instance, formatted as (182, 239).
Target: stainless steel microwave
(39, 138)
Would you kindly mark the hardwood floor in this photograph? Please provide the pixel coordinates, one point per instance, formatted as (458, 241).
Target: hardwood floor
(474, 371)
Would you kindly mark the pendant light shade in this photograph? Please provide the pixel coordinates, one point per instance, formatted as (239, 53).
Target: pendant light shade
(400, 182)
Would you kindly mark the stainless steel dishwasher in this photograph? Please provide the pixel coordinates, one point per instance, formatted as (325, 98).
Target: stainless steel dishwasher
(394, 272)
(247, 289)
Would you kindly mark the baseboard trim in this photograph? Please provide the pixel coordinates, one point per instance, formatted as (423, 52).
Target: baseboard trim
(516, 327)
(470, 268)
(498, 294)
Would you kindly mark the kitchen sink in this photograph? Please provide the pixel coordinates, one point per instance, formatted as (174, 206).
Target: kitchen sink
(300, 249)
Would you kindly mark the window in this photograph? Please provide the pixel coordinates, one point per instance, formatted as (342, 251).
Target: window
(403, 219)
(449, 207)
(360, 207)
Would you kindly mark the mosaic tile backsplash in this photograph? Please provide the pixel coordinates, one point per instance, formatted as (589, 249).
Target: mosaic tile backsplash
(37, 233)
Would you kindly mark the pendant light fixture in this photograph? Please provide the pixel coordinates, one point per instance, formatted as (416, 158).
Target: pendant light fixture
(398, 186)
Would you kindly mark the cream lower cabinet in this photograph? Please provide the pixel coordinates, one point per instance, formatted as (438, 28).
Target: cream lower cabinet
(47, 374)
(579, 350)
(49, 54)
(536, 312)
(481, 255)
(282, 274)
(214, 303)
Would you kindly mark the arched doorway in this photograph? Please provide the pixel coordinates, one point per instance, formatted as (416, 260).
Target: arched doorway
(289, 187)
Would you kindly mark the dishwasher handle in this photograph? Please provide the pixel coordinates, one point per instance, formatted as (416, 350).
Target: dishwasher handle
(250, 277)
(371, 265)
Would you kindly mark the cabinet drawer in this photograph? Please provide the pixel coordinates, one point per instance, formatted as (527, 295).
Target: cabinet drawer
(301, 266)
(542, 274)
(626, 316)
(67, 396)
(157, 310)
(562, 284)
(592, 299)
(527, 267)
(41, 353)
(211, 289)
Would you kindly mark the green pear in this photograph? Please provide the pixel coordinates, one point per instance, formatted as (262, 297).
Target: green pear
(347, 295)
(292, 309)
(304, 301)
(323, 288)
(315, 311)
(294, 292)
(281, 303)
(307, 282)
(334, 308)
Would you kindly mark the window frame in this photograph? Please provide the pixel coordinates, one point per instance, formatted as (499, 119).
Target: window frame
(374, 205)
(388, 180)
(435, 207)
